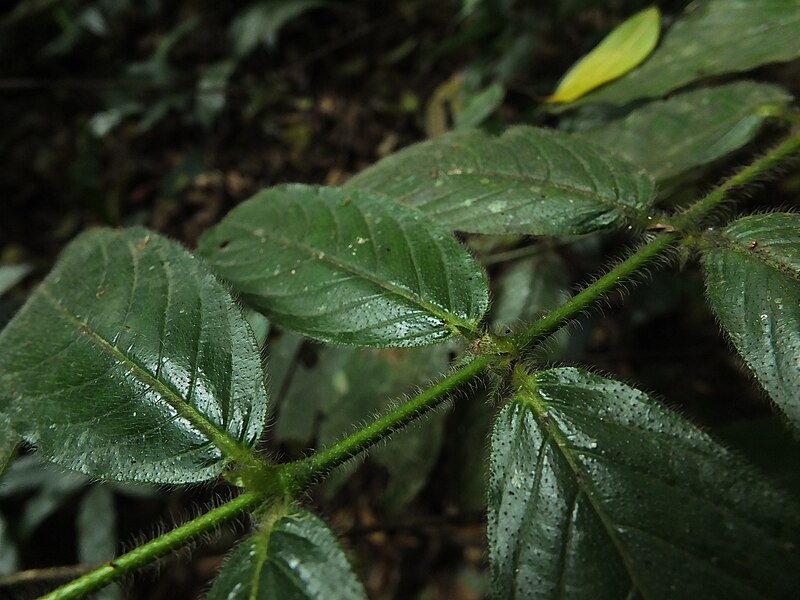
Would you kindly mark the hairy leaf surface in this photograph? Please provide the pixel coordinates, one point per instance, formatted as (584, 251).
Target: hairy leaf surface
(297, 558)
(671, 136)
(753, 281)
(347, 267)
(712, 38)
(132, 362)
(597, 491)
(528, 180)
(620, 51)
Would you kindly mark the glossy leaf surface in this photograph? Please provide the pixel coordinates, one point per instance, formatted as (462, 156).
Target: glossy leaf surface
(753, 282)
(712, 38)
(671, 136)
(298, 558)
(597, 491)
(620, 51)
(528, 180)
(132, 362)
(347, 267)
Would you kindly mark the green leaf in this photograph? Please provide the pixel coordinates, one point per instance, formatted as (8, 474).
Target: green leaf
(97, 533)
(97, 526)
(132, 362)
(620, 51)
(528, 180)
(347, 267)
(712, 38)
(297, 558)
(478, 106)
(768, 444)
(528, 288)
(352, 385)
(465, 464)
(211, 90)
(672, 136)
(753, 281)
(261, 22)
(597, 491)
(9, 555)
(11, 275)
(9, 442)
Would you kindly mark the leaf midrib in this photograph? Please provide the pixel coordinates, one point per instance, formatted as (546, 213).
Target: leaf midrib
(221, 439)
(629, 211)
(447, 318)
(537, 404)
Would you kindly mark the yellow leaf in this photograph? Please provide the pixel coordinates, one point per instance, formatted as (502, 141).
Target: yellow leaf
(445, 96)
(620, 51)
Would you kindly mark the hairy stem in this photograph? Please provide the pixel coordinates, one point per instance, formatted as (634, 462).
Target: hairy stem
(623, 272)
(300, 474)
(155, 549)
(295, 477)
(695, 214)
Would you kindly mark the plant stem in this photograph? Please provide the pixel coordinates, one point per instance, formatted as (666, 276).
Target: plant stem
(556, 319)
(695, 214)
(298, 475)
(151, 551)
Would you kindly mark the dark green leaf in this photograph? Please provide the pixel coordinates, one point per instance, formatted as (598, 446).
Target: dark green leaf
(97, 533)
(56, 490)
(467, 451)
(97, 526)
(349, 385)
(132, 362)
(297, 558)
(528, 180)
(768, 444)
(211, 90)
(11, 275)
(347, 267)
(478, 106)
(597, 491)
(9, 556)
(9, 441)
(714, 37)
(753, 281)
(261, 22)
(672, 136)
(530, 287)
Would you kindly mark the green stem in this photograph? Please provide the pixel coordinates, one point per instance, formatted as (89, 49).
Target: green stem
(151, 551)
(298, 475)
(692, 216)
(557, 318)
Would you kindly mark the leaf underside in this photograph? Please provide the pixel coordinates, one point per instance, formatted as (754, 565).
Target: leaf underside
(132, 362)
(671, 136)
(299, 558)
(528, 180)
(596, 491)
(715, 37)
(753, 284)
(347, 267)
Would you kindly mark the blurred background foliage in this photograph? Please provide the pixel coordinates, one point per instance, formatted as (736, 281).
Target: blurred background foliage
(167, 114)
